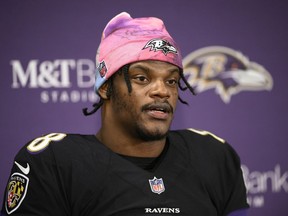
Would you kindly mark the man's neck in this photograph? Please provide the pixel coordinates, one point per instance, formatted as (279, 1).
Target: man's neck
(131, 146)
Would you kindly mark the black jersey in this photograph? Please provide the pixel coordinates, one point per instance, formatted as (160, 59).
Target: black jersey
(76, 175)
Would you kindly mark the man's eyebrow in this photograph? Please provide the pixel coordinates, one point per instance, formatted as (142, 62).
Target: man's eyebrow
(177, 70)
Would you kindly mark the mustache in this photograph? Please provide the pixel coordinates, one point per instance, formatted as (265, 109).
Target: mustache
(163, 106)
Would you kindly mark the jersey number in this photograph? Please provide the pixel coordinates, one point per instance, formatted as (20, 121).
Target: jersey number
(40, 143)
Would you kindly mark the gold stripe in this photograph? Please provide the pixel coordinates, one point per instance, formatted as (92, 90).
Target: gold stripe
(204, 133)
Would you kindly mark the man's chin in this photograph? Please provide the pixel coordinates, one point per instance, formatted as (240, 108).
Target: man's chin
(152, 135)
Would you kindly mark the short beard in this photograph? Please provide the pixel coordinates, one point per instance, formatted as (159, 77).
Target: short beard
(145, 135)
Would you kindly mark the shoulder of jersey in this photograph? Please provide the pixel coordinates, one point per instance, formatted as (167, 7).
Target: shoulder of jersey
(58, 141)
(205, 143)
(201, 134)
(207, 133)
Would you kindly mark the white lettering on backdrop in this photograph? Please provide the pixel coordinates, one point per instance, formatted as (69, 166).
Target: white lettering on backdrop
(64, 80)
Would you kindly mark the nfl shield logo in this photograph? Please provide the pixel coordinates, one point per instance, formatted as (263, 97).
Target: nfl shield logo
(102, 69)
(157, 185)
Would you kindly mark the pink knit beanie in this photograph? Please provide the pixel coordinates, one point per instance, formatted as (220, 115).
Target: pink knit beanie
(126, 40)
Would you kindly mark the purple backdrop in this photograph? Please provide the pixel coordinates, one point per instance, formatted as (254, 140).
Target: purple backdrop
(47, 50)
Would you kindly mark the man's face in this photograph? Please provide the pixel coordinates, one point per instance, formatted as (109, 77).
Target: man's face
(147, 111)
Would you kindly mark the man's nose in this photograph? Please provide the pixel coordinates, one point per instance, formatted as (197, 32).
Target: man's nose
(159, 89)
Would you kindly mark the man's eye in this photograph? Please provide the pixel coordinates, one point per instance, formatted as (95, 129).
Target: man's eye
(141, 78)
(172, 82)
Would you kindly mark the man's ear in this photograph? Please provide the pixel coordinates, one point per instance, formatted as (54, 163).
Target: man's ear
(103, 91)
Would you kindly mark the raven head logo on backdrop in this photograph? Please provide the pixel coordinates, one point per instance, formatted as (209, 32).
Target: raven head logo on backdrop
(226, 70)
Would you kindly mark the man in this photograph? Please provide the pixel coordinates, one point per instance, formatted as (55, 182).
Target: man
(134, 165)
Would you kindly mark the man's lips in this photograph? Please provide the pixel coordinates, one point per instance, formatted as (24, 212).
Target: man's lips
(158, 110)
(158, 114)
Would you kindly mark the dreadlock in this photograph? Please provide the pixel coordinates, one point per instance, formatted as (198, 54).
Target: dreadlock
(188, 86)
(98, 104)
(125, 70)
